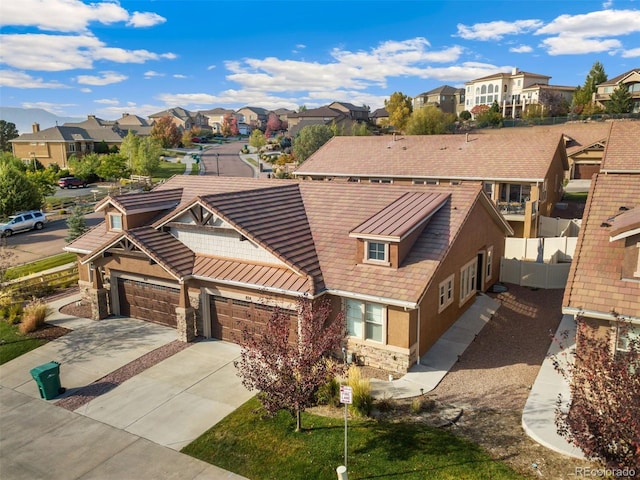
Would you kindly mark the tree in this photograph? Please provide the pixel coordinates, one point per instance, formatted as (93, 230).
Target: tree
(360, 129)
(430, 120)
(274, 124)
(166, 132)
(101, 147)
(129, 147)
(604, 417)
(85, 167)
(310, 139)
(148, 157)
(583, 96)
(257, 139)
(620, 100)
(17, 192)
(399, 107)
(229, 126)
(44, 180)
(76, 224)
(112, 167)
(465, 115)
(8, 132)
(287, 373)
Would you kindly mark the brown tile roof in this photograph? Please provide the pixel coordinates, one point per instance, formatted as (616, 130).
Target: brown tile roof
(92, 239)
(507, 154)
(155, 200)
(401, 216)
(622, 153)
(595, 282)
(165, 249)
(238, 272)
(626, 223)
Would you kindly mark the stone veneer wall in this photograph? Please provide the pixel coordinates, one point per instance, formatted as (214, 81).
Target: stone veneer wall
(373, 356)
(194, 301)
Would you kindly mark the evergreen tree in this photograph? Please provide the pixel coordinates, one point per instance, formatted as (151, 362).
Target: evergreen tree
(620, 100)
(76, 224)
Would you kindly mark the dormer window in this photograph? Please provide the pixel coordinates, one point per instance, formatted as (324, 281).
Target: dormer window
(115, 221)
(377, 252)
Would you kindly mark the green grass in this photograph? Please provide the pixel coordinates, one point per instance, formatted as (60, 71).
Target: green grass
(13, 343)
(260, 449)
(167, 170)
(40, 265)
(195, 169)
(574, 196)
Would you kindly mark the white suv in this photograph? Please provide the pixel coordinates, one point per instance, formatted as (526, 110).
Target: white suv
(23, 221)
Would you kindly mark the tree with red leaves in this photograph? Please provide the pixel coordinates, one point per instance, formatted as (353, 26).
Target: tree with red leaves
(274, 124)
(287, 368)
(604, 417)
(229, 125)
(166, 131)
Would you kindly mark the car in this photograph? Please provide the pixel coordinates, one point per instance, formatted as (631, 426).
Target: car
(68, 182)
(31, 220)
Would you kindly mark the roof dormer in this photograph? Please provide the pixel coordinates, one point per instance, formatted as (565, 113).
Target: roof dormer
(626, 227)
(387, 237)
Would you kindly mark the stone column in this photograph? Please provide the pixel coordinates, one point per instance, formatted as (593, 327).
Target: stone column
(186, 324)
(99, 299)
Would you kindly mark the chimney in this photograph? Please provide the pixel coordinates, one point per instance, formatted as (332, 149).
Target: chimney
(35, 128)
(514, 71)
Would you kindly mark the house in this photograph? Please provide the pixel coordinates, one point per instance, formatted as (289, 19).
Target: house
(630, 79)
(213, 256)
(539, 93)
(182, 118)
(512, 91)
(255, 117)
(521, 169)
(359, 114)
(56, 144)
(215, 118)
(316, 116)
(446, 98)
(135, 124)
(603, 289)
(380, 116)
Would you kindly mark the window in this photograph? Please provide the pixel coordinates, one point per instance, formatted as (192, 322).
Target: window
(489, 267)
(455, 182)
(488, 189)
(380, 180)
(445, 293)
(377, 251)
(115, 221)
(365, 320)
(72, 147)
(468, 281)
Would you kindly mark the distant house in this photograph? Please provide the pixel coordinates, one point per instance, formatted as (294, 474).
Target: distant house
(56, 144)
(255, 117)
(446, 98)
(360, 114)
(603, 289)
(215, 117)
(379, 116)
(630, 79)
(402, 261)
(135, 124)
(316, 116)
(182, 118)
(521, 170)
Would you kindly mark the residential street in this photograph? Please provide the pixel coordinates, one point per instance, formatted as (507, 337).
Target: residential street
(225, 158)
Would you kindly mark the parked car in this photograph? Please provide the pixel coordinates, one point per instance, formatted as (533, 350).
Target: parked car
(68, 182)
(22, 221)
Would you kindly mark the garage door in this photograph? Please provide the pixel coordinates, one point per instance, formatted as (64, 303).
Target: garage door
(229, 317)
(146, 301)
(584, 171)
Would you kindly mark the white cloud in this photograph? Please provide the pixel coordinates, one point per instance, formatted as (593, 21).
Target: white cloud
(57, 108)
(211, 67)
(300, 46)
(575, 45)
(607, 4)
(105, 78)
(70, 15)
(152, 74)
(107, 101)
(65, 52)
(86, 90)
(605, 23)
(11, 78)
(179, 75)
(497, 30)
(632, 53)
(521, 49)
(145, 19)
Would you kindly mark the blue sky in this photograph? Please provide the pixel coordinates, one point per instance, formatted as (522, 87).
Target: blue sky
(74, 57)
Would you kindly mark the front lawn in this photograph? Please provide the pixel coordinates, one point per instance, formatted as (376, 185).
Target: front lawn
(40, 265)
(260, 449)
(13, 343)
(167, 170)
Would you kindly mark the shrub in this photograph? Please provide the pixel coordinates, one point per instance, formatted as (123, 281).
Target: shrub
(33, 316)
(422, 404)
(329, 393)
(361, 389)
(386, 404)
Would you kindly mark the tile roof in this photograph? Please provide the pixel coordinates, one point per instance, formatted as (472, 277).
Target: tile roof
(507, 154)
(619, 78)
(165, 249)
(92, 239)
(320, 112)
(155, 200)
(595, 282)
(622, 153)
(626, 223)
(401, 216)
(443, 90)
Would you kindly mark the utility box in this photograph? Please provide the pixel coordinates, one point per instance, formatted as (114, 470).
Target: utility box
(47, 377)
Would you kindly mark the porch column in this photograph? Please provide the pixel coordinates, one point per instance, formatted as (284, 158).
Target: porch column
(185, 316)
(99, 299)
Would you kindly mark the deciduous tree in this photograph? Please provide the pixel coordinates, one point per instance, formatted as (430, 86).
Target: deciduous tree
(309, 140)
(166, 132)
(112, 167)
(257, 139)
(274, 124)
(85, 167)
(8, 132)
(604, 417)
(229, 126)
(287, 373)
(399, 107)
(17, 192)
(430, 120)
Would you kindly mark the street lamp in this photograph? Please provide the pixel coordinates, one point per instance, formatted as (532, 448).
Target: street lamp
(217, 164)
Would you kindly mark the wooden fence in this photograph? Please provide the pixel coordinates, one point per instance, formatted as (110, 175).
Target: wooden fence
(39, 284)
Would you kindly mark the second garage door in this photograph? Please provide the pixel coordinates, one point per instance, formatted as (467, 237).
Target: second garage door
(146, 301)
(229, 317)
(584, 171)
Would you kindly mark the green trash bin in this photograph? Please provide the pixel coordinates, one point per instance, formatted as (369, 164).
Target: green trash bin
(47, 377)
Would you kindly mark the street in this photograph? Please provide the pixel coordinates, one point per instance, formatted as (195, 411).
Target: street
(225, 158)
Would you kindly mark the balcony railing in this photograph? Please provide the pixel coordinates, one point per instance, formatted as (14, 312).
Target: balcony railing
(512, 208)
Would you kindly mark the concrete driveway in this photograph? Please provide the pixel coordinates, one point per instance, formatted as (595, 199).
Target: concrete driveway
(123, 433)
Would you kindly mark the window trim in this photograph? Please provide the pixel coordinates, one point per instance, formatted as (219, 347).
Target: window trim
(385, 181)
(446, 292)
(362, 307)
(375, 261)
(468, 278)
(111, 224)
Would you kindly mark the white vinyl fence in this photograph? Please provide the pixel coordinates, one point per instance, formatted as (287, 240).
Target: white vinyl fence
(552, 249)
(558, 227)
(534, 274)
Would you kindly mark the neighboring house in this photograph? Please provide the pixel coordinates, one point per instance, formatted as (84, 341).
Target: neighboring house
(138, 125)
(317, 116)
(380, 116)
(603, 289)
(56, 144)
(359, 114)
(182, 118)
(403, 261)
(521, 169)
(532, 94)
(446, 98)
(255, 117)
(510, 90)
(630, 79)
(283, 114)
(215, 118)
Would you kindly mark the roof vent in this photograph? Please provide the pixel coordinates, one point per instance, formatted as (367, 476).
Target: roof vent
(605, 225)
(623, 208)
